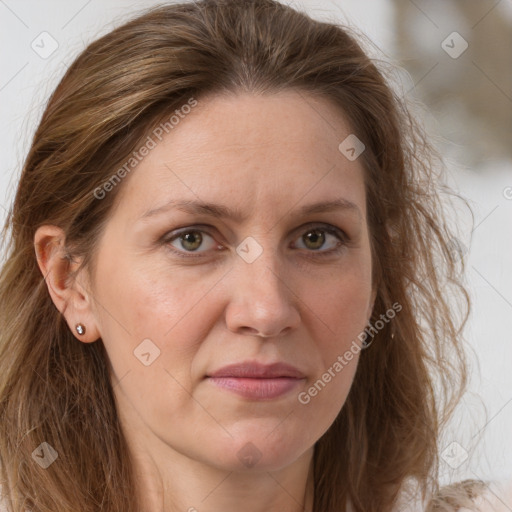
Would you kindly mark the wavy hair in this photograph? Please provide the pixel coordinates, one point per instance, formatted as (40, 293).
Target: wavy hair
(121, 86)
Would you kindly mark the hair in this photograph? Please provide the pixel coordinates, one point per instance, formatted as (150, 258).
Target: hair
(57, 390)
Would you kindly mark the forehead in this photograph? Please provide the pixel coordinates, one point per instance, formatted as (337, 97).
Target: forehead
(290, 119)
(248, 148)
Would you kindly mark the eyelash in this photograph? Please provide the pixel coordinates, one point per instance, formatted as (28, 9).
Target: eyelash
(327, 228)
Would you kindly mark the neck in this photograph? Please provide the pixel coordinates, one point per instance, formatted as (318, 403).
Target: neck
(172, 482)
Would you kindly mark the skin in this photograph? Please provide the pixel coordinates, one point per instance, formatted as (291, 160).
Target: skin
(267, 156)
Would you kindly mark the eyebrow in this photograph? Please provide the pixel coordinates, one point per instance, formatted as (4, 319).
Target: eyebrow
(222, 211)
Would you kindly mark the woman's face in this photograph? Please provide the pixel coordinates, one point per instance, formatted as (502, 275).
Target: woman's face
(181, 292)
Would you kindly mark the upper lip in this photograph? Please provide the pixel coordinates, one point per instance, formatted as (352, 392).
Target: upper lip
(255, 370)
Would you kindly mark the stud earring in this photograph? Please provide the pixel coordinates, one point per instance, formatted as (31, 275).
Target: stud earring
(80, 329)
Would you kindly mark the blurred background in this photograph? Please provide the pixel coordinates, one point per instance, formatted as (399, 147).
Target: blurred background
(454, 58)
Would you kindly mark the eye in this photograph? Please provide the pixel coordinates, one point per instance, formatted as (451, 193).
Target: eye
(191, 240)
(187, 242)
(316, 237)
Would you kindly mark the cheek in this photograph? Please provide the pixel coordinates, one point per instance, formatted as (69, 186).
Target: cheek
(150, 339)
(341, 302)
(149, 302)
(340, 310)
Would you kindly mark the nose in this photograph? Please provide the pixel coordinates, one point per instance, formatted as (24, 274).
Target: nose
(262, 302)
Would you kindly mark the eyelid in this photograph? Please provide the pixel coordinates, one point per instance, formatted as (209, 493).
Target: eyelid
(205, 229)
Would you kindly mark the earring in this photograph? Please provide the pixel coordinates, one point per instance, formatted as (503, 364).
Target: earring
(80, 329)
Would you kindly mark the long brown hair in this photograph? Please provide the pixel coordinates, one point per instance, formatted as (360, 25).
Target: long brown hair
(57, 390)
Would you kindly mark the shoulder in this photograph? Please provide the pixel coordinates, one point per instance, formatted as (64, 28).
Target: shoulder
(497, 497)
(472, 496)
(463, 496)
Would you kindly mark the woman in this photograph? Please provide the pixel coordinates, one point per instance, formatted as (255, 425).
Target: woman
(226, 280)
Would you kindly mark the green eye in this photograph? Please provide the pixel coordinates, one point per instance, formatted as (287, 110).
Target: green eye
(191, 240)
(187, 242)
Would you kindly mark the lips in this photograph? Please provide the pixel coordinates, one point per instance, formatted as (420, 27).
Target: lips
(256, 381)
(254, 370)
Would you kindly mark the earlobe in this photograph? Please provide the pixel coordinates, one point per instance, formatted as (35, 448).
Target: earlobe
(68, 296)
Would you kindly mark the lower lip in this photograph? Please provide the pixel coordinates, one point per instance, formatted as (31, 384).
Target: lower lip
(257, 389)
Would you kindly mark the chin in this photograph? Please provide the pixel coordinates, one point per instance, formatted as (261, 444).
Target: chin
(261, 452)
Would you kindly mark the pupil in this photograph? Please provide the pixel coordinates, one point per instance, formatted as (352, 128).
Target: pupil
(188, 238)
(315, 237)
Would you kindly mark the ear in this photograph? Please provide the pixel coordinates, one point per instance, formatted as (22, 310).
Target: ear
(69, 296)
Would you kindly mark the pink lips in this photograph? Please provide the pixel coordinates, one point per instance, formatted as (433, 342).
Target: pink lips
(257, 381)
